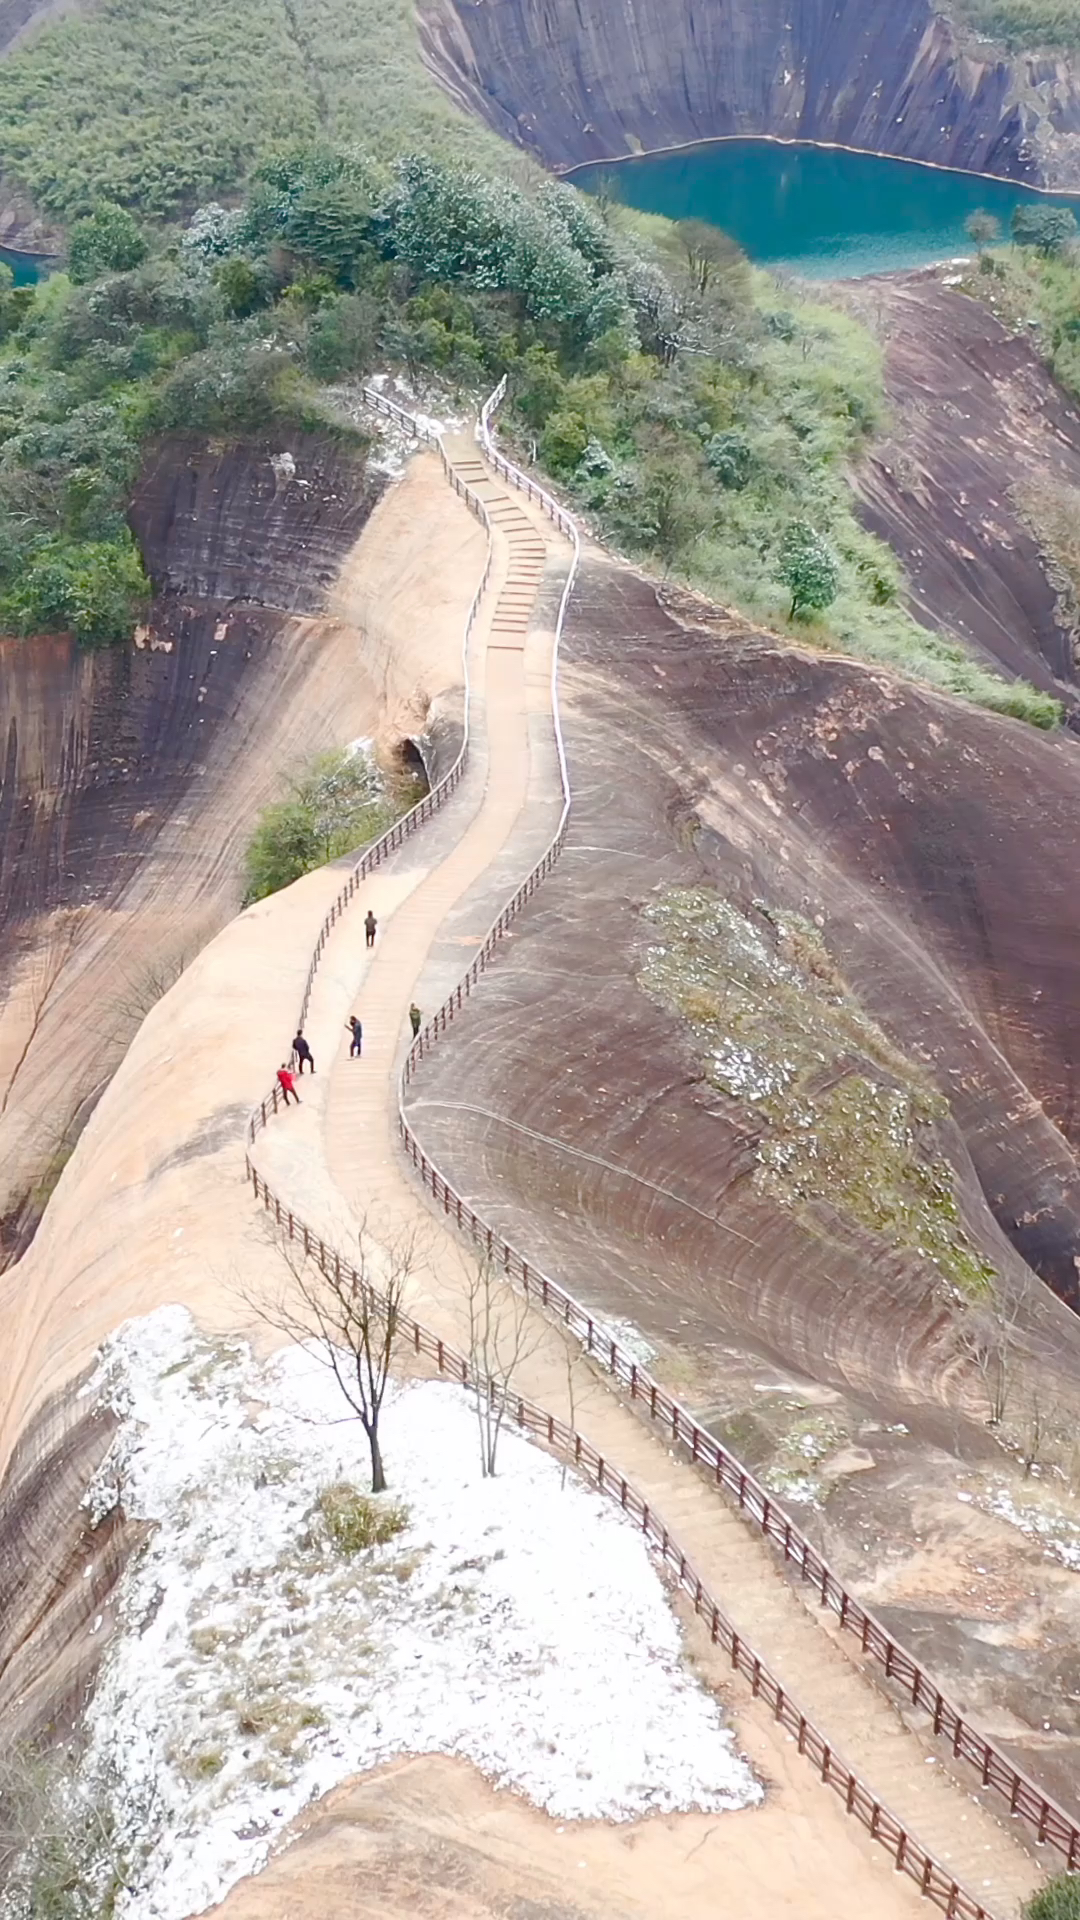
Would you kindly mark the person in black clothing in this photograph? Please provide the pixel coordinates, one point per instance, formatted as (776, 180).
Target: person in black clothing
(370, 925)
(304, 1055)
(357, 1032)
(415, 1016)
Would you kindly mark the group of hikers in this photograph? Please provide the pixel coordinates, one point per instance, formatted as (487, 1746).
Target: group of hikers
(301, 1055)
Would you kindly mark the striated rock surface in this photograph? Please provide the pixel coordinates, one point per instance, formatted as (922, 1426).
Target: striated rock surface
(575, 83)
(922, 855)
(131, 776)
(976, 418)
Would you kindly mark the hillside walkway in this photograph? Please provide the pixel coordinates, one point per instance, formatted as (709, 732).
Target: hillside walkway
(338, 1160)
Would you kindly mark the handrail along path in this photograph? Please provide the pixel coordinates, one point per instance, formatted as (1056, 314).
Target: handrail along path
(1049, 1822)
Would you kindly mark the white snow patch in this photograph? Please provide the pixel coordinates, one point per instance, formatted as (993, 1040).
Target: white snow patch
(514, 1622)
(630, 1338)
(1059, 1534)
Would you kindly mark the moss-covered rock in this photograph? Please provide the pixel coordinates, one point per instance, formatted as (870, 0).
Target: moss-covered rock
(846, 1118)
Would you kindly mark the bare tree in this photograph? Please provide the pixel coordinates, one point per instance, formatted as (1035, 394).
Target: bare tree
(988, 1338)
(1045, 1430)
(502, 1336)
(351, 1314)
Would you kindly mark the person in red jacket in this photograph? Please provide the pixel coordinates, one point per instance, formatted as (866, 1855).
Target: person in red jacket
(287, 1082)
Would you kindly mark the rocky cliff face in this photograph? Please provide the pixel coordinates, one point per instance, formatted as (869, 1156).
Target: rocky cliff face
(577, 83)
(130, 777)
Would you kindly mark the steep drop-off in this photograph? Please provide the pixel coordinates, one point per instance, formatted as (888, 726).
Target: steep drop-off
(976, 417)
(575, 84)
(151, 1207)
(132, 776)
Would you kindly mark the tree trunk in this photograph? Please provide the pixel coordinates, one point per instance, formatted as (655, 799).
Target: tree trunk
(378, 1472)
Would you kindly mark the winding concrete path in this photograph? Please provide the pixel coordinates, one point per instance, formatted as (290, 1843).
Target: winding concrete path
(339, 1160)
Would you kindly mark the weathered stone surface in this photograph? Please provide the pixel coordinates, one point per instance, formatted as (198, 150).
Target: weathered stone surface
(130, 776)
(975, 415)
(577, 83)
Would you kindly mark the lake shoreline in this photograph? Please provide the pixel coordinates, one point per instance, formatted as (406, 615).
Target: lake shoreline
(820, 211)
(572, 169)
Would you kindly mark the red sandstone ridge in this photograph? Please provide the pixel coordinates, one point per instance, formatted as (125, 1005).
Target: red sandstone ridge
(574, 84)
(932, 848)
(132, 775)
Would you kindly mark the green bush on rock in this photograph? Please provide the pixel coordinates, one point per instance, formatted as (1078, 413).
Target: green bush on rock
(1058, 1900)
(338, 803)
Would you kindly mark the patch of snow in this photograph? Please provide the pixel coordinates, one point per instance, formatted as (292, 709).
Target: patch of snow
(515, 1622)
(1059, 1534)
(630, 1338)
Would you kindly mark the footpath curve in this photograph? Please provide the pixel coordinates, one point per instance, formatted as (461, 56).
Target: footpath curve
(354, 1113)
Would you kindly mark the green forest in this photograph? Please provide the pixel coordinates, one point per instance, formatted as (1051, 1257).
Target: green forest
(1024, 23)
(703, 421)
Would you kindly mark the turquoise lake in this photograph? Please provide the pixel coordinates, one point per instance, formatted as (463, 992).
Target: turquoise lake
(27, 267)
(826, 214)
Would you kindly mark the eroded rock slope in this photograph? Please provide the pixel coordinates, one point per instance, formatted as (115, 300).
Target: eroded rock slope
(782, 1066)
(577, 83)
(132, 776)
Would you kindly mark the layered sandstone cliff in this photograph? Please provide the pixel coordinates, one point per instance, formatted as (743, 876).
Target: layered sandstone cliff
(575, 83)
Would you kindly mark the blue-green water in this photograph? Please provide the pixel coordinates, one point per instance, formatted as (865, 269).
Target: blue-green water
(27, 267)
(824, 213)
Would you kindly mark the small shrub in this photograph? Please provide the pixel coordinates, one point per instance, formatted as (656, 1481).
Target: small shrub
(1058, 1900)
(807, 569)
(108, 241)
(728, 454)
(337, 805)
(356, 1521)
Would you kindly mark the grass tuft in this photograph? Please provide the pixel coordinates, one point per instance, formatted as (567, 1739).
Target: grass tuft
(357, 1521)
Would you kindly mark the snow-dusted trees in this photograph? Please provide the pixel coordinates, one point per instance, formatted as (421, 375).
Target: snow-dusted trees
(448, 223)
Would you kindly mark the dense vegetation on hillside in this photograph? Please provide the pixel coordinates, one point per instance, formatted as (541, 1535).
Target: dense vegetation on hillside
(705, 423)
(160, 106)
(1023, 23)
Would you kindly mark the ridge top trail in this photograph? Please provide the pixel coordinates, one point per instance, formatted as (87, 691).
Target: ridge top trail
(339, 1162)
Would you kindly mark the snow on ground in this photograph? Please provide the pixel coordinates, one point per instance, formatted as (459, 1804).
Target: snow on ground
(515, 1622)
(1045, 1521)
(630, 1338)
(394, 445)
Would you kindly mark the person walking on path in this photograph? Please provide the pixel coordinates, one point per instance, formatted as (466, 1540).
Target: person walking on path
(356, 1047)
(370, 925)
(287, 1083)
(415, 1016)
(303, 1053)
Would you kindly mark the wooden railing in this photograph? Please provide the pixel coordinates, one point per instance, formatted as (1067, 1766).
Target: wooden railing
(909, 1857)
(388, 843)
(1048, 1821)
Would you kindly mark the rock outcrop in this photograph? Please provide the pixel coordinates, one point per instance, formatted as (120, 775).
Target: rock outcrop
(575, 83)
(131, 776)
(976, 421)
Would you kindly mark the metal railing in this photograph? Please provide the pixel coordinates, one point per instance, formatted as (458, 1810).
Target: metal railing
(909, 1857)
(1049, 1822)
